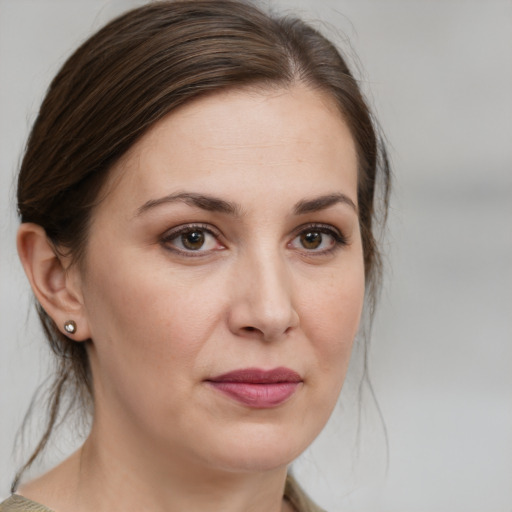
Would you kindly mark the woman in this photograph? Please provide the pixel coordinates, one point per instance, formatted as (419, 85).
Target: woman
(196, 199)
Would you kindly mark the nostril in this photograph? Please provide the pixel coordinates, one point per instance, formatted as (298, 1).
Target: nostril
(250, 329)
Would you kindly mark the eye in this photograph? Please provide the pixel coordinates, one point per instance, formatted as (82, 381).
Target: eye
(192, 239)
(318, 239)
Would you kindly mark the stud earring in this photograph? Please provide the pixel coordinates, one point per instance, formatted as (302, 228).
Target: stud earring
(70, 327)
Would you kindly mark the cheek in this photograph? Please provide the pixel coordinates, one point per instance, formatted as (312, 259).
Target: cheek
(147, 330)
(334, 310)
(332, 320)
(158, 319)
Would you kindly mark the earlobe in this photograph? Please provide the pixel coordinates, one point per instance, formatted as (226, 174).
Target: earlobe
(55, 286)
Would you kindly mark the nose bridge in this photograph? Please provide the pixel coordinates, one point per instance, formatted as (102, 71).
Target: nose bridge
(265, 293)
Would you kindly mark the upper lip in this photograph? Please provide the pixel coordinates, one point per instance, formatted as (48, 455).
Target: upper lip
(258, 376)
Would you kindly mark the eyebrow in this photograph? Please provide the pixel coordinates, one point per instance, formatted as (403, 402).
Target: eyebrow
(215, 204)
(205, 202)
(322, 202)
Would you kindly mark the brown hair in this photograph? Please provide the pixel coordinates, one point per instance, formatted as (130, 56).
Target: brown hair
(132, 73)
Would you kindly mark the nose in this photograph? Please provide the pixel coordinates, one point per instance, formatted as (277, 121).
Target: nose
(262, 302)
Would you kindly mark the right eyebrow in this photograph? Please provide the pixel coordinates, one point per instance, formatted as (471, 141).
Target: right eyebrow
(203, 201)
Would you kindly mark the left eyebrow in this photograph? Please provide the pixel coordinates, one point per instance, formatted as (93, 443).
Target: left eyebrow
(322, 202)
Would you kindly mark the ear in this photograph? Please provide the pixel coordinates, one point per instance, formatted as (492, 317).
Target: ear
(56, 285)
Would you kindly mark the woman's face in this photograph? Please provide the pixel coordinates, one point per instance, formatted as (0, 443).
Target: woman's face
(223, 281)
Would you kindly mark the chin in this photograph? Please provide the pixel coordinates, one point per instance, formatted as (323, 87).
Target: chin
(256, 461)
(259, 448)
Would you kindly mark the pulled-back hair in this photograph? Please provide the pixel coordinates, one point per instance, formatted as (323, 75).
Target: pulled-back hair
(129, 75)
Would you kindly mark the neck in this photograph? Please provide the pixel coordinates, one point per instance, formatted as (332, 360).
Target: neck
(110, 480)
(103, 476)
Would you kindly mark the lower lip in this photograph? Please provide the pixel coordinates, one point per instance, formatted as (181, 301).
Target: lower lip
(258, 396)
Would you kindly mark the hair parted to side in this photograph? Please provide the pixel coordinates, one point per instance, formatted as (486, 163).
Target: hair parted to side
(133, 72)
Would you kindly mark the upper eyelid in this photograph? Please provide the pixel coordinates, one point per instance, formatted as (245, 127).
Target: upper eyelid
(319, 226)
(315, 225)
(183, 228)
(173, 233)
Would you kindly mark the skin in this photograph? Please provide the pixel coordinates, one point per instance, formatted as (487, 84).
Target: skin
(162, 319)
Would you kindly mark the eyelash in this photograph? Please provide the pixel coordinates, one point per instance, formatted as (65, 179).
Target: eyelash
(174, 234)
(339, 240)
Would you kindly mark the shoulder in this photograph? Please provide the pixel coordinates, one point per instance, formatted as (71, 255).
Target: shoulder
(17, 503)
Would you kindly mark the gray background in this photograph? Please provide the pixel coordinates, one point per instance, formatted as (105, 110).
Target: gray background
(440, 77)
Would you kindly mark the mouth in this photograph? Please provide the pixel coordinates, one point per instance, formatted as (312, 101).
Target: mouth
(256, 388)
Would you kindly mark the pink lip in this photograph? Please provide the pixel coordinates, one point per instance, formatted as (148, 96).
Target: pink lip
(257, 388)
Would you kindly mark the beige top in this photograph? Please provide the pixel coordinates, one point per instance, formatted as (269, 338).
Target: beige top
(292, 493)
(17, 503)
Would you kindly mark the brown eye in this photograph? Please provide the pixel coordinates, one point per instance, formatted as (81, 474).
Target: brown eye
(311, 240)
(193, 240)
(318, 240)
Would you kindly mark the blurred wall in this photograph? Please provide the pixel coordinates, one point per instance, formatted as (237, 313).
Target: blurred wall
(440, 77)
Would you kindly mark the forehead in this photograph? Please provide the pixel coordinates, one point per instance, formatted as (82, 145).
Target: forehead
(288, 138)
